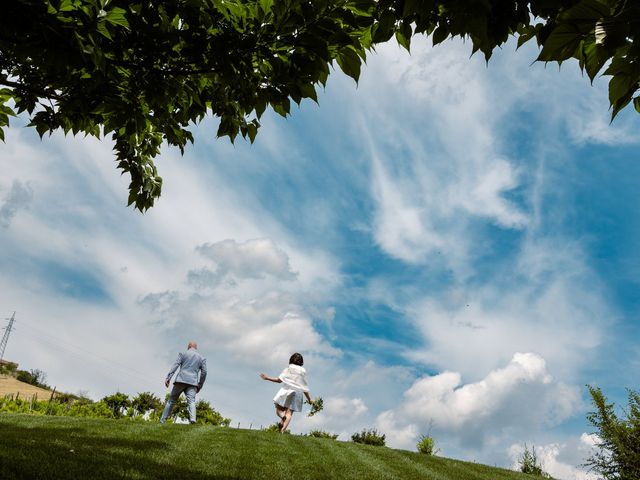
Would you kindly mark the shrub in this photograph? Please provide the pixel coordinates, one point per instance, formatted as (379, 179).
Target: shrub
(322, 434)
(36, 378)
(275, 428)
(528, 463)
(145, 401)
(369, 437)
(207, 415)
(117, 403)
(8, 369)
(426, 445)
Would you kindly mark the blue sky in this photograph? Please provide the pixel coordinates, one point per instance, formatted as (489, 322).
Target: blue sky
(453, 247)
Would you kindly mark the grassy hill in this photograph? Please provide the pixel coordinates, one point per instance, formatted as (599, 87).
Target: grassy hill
(9, 385)
(35, 447)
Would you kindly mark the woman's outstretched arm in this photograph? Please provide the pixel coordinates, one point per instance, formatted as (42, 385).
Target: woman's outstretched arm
(271, 379)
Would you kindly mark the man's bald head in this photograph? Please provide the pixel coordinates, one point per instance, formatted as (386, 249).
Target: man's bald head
(192, 344)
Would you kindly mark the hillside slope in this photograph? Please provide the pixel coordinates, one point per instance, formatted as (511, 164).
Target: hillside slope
(11, 386)
(34, 447)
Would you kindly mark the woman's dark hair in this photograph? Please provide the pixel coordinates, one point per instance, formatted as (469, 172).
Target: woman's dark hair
(296, 359)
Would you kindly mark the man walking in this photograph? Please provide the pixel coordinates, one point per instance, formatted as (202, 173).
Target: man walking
(190, 364)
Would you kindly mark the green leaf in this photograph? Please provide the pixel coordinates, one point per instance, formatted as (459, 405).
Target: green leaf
(117, 16)
(440, 34)
(593, 58)
(103, 30)
(621, 90)
(309, 91)
(562, 44)
(403, 35)
(349, 62)
(636, 104)
(385, 27)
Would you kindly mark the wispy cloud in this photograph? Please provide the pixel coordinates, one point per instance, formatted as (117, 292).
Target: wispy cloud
(19, 197)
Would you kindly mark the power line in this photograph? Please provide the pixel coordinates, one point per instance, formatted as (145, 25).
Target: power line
(104, 365)
(108, 364)
(5, 337)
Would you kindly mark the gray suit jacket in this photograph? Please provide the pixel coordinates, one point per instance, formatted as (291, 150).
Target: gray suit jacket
(189, 363)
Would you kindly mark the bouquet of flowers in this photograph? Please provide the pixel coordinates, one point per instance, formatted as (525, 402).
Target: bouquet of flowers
(316, 406)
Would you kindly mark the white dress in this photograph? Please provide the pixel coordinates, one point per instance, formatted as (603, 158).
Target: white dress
(294, 384)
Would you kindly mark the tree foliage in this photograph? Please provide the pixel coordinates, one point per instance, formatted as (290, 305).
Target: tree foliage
(145, 401)
(35, 377)
(426, 445)
(617, 454)
(208, 415)
(142, 72)
(118, 403)
(529, 463)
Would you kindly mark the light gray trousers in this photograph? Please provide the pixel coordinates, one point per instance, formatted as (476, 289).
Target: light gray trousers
(189, 392)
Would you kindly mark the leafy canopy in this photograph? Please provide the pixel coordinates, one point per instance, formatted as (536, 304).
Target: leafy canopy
(617, 454)
(142, 71)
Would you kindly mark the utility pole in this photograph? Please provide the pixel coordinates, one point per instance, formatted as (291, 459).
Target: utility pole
(5, 337)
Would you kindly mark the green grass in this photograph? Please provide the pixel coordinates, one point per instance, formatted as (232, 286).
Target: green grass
(38, 447)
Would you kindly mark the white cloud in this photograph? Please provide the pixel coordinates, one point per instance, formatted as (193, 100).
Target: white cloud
(252, 259)
(536, 304)
(340, 415)
(430, 183)
(18, 198)
(522, 396)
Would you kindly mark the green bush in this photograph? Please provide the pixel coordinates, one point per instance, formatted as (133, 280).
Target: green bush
(207, 415)
(36, 378)
(9, 369)
(145, 401)
(275, 428)
(118, 403)
(369, 437)
(426, 445)
(322, 434)
(528, 463)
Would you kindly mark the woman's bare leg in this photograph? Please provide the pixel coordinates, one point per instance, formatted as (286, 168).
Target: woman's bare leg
(280, 411)
(286, 420)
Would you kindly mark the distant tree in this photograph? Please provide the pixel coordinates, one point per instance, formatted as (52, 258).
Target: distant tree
(145, 401)
(144, 71)
(206, 414)
(83, 397)
(528, 463)
(117, 403)
(8, 369)
(617, 455)
(33, 377)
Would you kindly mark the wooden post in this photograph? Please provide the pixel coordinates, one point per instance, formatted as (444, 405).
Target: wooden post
(51, 399)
